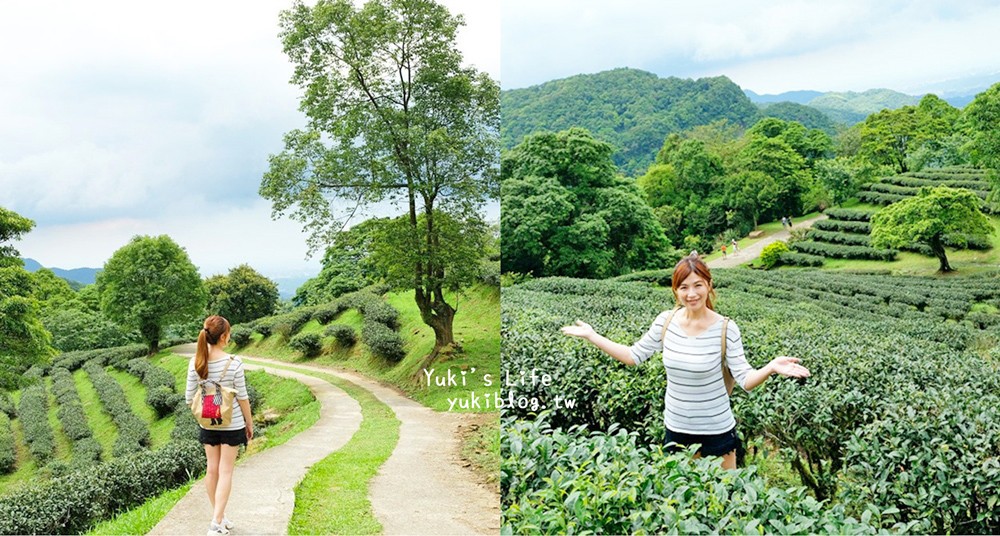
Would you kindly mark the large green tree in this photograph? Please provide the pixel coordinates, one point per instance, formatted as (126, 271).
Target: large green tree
(893, 137)
(23, 340)
(929, 216)
(392, 114)
(242, 295)
(148, 284)
(566, 212)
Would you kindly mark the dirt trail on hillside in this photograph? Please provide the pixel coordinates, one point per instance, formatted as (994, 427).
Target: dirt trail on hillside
(263, 485)
(753, 251)
(424, 487)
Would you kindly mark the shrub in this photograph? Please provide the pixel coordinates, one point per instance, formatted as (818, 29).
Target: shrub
(383, 341)
(160, 385)
(74, 503)
(70, 412)
(241, 335)
(345, 335)
(326, 313)
(771, 254)
(309, 344)
(33, 413)
(838, 251)
(553, 481)
(185, 425)
(849, 214)
(7, 404)
(133, 434)
(8, 450)
(264, 329)
(799, 259)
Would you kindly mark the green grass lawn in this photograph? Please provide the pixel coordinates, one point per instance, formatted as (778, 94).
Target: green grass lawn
(63, 446)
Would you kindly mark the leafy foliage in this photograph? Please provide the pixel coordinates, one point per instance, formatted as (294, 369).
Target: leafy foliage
(242, 295)
(771, 254)
(33, 414)
(309, 344)
(928, 217)
(565, 211)
(631, 109)
(133, 433)
(8, 448)
(345, 335)
(148, 284)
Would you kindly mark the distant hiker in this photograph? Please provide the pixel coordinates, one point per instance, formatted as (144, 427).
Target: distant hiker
(784, 222)
(736, 247)
(222, 444)
(723, 251)
(688, 336)
(789, 219)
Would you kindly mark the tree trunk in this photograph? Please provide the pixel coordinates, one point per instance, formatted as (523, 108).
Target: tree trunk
(440, 316)
(152, 335)
(937, 246)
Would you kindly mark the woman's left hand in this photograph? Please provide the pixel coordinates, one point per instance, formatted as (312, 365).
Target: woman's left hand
(789, 367)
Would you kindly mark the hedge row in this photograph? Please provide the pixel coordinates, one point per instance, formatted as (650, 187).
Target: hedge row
(241, 335)
(914, 190)
(33, 413)
(849, 214)
(8, 450)
(133, 433)
(913, 182)
(72, 504)
(86, 450)
(161, 387)
(879, 198)
(799, 259)
(844, 252)
(7, 404)
(559, 482)
(838, 226)
(72, 361)
(834, 237)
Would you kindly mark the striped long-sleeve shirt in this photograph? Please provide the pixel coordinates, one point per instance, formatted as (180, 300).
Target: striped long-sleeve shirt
(234, 378)
(696, 401)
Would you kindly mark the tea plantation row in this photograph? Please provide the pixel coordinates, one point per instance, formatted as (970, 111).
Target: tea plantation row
(898, 419)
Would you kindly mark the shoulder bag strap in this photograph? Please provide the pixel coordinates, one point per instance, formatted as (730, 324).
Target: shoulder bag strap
(663, 335)
(230, 362)
(727, 376)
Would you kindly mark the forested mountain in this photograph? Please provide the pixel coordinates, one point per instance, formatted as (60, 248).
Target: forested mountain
(798, 97)
(807, 115)
(851, 107)
(631, 109)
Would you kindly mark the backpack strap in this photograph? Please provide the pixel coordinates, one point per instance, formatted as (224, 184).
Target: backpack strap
(727, 376)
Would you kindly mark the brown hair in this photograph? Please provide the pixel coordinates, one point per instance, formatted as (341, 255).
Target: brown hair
(685, 267)
(214, 328)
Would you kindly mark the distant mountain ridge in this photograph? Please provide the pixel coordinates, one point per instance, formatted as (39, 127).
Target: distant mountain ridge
(633, 110)
(84, 276)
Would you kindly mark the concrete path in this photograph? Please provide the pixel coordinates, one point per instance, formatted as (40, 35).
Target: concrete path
(263, 485)
(752, 251)
(424, 487)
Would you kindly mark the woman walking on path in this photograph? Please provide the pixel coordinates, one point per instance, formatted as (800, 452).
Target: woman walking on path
(222, 443)
(697, 408)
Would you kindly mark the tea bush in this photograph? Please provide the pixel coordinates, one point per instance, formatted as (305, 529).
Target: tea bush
(309, 344)
(133, 433)
(345, 335)
(160, 385)
(8, 449)
(72, 504)
(33, 414)
(241, 335)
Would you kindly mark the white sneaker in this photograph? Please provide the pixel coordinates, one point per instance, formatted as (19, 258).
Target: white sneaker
(227, 523)
(217, 530)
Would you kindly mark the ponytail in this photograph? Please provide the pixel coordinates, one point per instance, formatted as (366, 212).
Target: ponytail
(215, 328)
(201, 355)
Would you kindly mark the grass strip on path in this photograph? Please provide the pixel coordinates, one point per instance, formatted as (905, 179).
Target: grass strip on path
(333, 496)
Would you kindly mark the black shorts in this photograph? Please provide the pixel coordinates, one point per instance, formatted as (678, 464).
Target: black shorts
(233, 438)
(711, 445)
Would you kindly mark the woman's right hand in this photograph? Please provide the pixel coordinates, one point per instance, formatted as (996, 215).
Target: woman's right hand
(580, 329)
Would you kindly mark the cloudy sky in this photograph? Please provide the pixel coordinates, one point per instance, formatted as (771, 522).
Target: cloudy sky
(770, 46)
(122, 118)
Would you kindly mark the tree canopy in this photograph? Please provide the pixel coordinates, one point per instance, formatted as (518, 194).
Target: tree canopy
(927, 217)
(149, 284)
(241, 295)
(392, 115)
(23, 340)
(567, 213)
